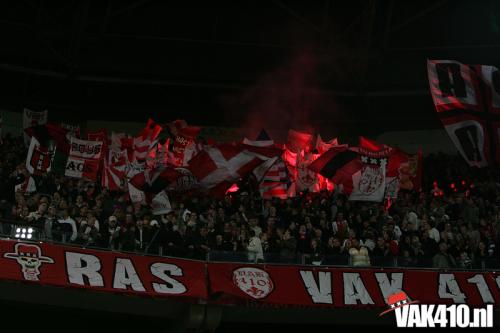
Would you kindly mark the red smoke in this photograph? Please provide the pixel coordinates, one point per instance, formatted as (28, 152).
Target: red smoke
(287, 97)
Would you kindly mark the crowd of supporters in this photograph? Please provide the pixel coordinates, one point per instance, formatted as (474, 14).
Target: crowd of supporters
(453, 223)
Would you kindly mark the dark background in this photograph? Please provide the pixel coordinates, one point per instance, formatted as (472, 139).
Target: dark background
(337, 66)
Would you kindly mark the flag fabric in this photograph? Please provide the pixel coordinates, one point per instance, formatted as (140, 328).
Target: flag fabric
(73, 129)
(136, 195)
(409, 170)
(161, 204)
(369, 181)
(338, 164)
(184, 145)
(84, 159)
(306, 179)
(156, 180)
(146, 139)
(322, 146)
(217, 168)
(28, 186)
(40, 156)
(403, 170)
(275, 182)
(100, 135)
(262, 140)
(53, 137)
(33, 118)
(135, 168)
(298, 141)
(459, 92)
(115, 170)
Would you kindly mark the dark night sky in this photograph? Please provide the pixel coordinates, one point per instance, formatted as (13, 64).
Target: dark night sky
(341, 65)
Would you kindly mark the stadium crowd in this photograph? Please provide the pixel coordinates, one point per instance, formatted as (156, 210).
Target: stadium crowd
(453, 222)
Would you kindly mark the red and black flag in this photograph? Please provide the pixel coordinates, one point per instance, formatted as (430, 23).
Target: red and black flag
(46, 141)
(466, 99)
(338, 164)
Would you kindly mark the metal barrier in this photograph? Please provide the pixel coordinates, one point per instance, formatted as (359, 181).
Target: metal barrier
(7, 229)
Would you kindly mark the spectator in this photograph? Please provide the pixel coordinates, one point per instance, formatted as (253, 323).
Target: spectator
(442, 259)
(254, 248)
(65, 229)
(288, 245)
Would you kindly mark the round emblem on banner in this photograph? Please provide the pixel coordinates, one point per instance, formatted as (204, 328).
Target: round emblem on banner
(254, 282)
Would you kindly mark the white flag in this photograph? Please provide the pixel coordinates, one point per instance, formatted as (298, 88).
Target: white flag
(160, 204)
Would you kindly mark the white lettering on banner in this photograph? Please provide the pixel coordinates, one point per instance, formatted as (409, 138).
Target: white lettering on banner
(80, 265)
(448, 288)
(126, 275)
(482, 287)
(387, 287)
(355, 290)
(162, 271)
(321, 294)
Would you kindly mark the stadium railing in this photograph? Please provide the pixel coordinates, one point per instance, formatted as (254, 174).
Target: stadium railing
(8, 230)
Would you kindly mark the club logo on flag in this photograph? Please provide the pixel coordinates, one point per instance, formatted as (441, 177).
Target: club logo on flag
(372, 175)
(254, 282)
(29, 257)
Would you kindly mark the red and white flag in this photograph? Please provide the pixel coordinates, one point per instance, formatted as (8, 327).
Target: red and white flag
(217, 168)
(136, 195)
(306, 179)
(298, 141)
(28, 186)
(160, 204)
(184, 145)
(322, 146)
(275, 182)
(143, 143)
(115, 171)
(39, 159)
(84, 159)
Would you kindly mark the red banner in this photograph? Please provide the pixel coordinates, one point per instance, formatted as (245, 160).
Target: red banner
(340, 287)
(101, 270)
(277, 285)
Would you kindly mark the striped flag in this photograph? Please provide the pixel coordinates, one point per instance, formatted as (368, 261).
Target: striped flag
(115, 171)
(146, 140)
(275, 182)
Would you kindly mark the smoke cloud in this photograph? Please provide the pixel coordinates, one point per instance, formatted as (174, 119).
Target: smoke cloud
(287, 97)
